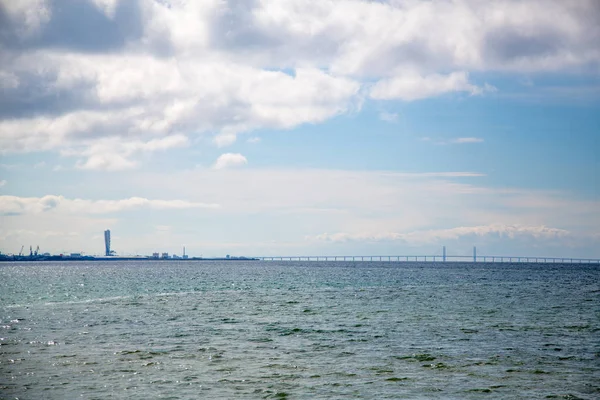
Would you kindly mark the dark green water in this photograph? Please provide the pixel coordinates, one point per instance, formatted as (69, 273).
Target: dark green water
(187, 330)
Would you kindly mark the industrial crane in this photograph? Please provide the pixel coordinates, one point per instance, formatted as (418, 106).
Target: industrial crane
(37, 250)
(21, 251)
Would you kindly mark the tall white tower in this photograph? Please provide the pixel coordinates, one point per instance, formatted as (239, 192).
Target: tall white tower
(107, 242)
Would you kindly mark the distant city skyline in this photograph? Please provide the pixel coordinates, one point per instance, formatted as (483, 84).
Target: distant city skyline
(300, 127)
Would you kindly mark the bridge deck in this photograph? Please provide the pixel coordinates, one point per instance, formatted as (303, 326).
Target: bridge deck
(437, 258)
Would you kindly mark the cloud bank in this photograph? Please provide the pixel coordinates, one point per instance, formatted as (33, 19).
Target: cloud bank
(154, 74)
(513, 232)
(229, 160)
(14, 205)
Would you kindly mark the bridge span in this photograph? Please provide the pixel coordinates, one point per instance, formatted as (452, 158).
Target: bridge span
(438, 258)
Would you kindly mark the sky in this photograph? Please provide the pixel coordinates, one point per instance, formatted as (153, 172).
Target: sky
(300, 127)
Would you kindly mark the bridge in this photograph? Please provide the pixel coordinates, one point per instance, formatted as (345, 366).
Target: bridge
(439, 258)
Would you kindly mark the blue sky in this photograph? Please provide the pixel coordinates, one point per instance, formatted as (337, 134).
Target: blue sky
(301, 127)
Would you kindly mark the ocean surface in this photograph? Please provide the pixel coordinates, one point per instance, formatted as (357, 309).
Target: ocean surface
(299, 330)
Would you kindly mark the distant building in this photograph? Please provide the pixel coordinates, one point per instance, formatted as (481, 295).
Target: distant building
(107, 242)
(164, 255)
(155, 255)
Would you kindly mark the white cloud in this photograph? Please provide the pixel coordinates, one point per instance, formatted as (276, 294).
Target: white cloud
(437, 174)
(466, 140)
(254, 140)
(223, 139)
(229, 160)
(27, 16)
(14, 205)
(413, 86)
(108, 7)
(2, 183)
(388, 117)
(378, 38)
(513, 232)
(106, 160)
(113, 154)
(460, 140)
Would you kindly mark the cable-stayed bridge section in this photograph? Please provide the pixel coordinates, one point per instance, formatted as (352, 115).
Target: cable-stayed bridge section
(438, 258)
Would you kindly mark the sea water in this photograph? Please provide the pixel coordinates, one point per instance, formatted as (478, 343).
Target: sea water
(298, 330)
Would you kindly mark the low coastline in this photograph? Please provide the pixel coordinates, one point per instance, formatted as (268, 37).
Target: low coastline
(116, 258)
